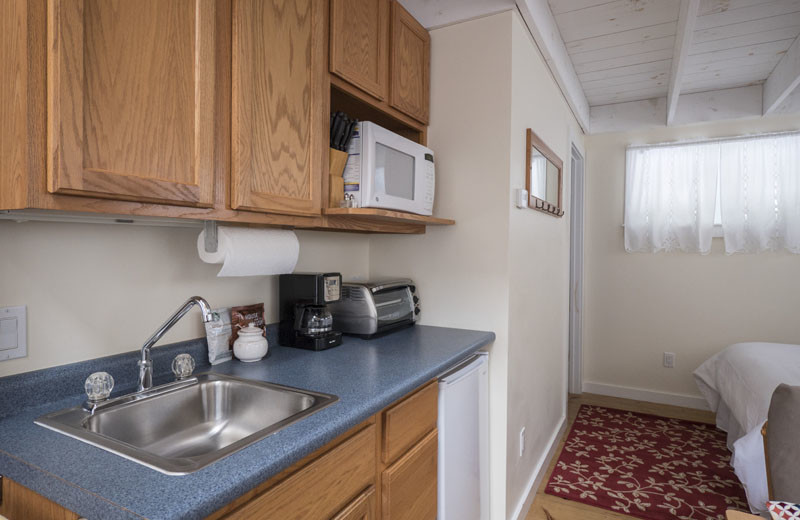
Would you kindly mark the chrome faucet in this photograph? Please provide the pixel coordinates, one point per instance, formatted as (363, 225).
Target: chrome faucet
(146, 363)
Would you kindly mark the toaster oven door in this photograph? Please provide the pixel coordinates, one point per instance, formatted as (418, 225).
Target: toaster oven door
(395, 307)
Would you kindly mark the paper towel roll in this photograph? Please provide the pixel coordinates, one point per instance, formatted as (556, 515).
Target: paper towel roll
(251, 252)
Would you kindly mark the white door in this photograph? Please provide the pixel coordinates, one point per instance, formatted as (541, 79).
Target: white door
(576, 272)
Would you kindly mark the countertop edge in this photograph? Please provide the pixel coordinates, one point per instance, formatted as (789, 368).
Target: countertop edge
(70, 496)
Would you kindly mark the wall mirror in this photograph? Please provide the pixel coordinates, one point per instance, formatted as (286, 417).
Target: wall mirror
(543, 177)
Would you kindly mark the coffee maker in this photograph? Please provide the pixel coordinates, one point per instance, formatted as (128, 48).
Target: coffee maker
(305, 320)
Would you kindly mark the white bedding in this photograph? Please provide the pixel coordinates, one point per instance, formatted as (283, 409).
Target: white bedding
(738, 384)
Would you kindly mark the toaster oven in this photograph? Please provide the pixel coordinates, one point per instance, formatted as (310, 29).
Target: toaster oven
(371, 308)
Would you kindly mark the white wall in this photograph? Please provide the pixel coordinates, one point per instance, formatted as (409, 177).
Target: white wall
(538, 259)
(498, 268)
(462, 271)
(94, 290)
(638, 306)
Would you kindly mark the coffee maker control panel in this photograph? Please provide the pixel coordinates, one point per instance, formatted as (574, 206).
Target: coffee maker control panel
(333, 288)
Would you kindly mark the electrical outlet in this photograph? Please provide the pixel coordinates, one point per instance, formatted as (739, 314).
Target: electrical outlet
(669, 359)
(521, 441)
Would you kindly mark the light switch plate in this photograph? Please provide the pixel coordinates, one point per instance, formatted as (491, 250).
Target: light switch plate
(521, 198)
(13, 332)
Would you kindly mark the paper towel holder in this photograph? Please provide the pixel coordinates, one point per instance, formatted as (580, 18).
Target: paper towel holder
(210, 236)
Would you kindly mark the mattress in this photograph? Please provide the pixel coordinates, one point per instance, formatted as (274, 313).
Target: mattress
(738, 384)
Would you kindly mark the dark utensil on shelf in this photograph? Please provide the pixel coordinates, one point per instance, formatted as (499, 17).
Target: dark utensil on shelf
(337, 129)
(342, 128)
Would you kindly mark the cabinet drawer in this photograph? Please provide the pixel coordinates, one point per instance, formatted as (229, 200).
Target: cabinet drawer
(408, 421)
(409, 485)
(362, 508)
(321, 488)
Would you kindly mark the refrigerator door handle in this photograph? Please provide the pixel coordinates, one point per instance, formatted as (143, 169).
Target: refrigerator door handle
(443, 379)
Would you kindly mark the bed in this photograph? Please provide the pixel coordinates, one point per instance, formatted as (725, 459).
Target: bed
(738, 384)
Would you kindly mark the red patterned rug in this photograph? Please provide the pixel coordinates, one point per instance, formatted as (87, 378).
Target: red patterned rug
(646, 466)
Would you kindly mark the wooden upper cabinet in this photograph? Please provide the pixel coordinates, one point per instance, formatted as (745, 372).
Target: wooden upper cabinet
(14, 92)
(279, 125)
(130, 104)
(360, 43)
(409, 60)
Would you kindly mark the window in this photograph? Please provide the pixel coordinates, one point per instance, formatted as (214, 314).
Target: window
(678, 195)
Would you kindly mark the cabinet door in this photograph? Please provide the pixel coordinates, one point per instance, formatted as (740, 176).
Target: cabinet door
(20, 502)
(280, 106)
(410, 65)
(409, 485)
(360, 43)
(130, 99)
(362, 508)
(14, 95)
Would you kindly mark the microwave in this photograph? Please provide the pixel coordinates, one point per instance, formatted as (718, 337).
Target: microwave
(386, 170)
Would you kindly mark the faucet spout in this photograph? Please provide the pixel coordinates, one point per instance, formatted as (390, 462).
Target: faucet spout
(146, 363)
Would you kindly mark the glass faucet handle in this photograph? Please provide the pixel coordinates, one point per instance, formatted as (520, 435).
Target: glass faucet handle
(182, 366)
(98, 386)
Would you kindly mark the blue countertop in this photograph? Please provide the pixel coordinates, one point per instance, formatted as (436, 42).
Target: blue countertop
(366, 375)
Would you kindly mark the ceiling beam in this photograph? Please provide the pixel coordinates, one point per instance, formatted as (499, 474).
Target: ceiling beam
(783, 80)
(543, 28)
(697, 107)
(680, 52)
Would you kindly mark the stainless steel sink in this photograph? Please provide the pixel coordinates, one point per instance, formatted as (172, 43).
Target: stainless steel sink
(181, 427)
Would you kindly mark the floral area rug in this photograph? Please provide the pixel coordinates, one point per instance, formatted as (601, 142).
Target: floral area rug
(646, 466)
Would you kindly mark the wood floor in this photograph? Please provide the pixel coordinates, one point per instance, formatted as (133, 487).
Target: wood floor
(561, 509)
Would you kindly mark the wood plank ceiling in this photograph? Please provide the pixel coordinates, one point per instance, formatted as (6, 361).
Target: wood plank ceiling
(623, 50)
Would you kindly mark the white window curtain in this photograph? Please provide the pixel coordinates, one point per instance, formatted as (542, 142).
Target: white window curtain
(539, 177)
(670, 196)
(760, 193)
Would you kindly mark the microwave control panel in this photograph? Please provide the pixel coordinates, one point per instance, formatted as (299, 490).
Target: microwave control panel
(430, 176)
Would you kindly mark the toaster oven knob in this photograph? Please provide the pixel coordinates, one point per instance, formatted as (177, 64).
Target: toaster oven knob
(416, 299)
(413, 288)
(416, 310)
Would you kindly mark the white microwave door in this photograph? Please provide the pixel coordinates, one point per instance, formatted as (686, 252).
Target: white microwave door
(398, 182)
(394, 172)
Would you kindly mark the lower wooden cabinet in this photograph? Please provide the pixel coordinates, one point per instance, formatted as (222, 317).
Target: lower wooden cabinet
(408, 421)
(362, 508)
(20, 503)
(323, 487)
(344, 480)
(409, 485)
(384, 469)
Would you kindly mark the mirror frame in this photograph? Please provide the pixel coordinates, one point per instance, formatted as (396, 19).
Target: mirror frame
(534, 141)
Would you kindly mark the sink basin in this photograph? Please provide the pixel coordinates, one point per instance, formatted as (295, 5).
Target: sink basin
(184, 426)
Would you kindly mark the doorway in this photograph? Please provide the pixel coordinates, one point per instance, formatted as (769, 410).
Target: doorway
(576, 225)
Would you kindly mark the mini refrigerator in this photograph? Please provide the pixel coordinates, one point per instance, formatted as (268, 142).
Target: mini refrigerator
(463, 477)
